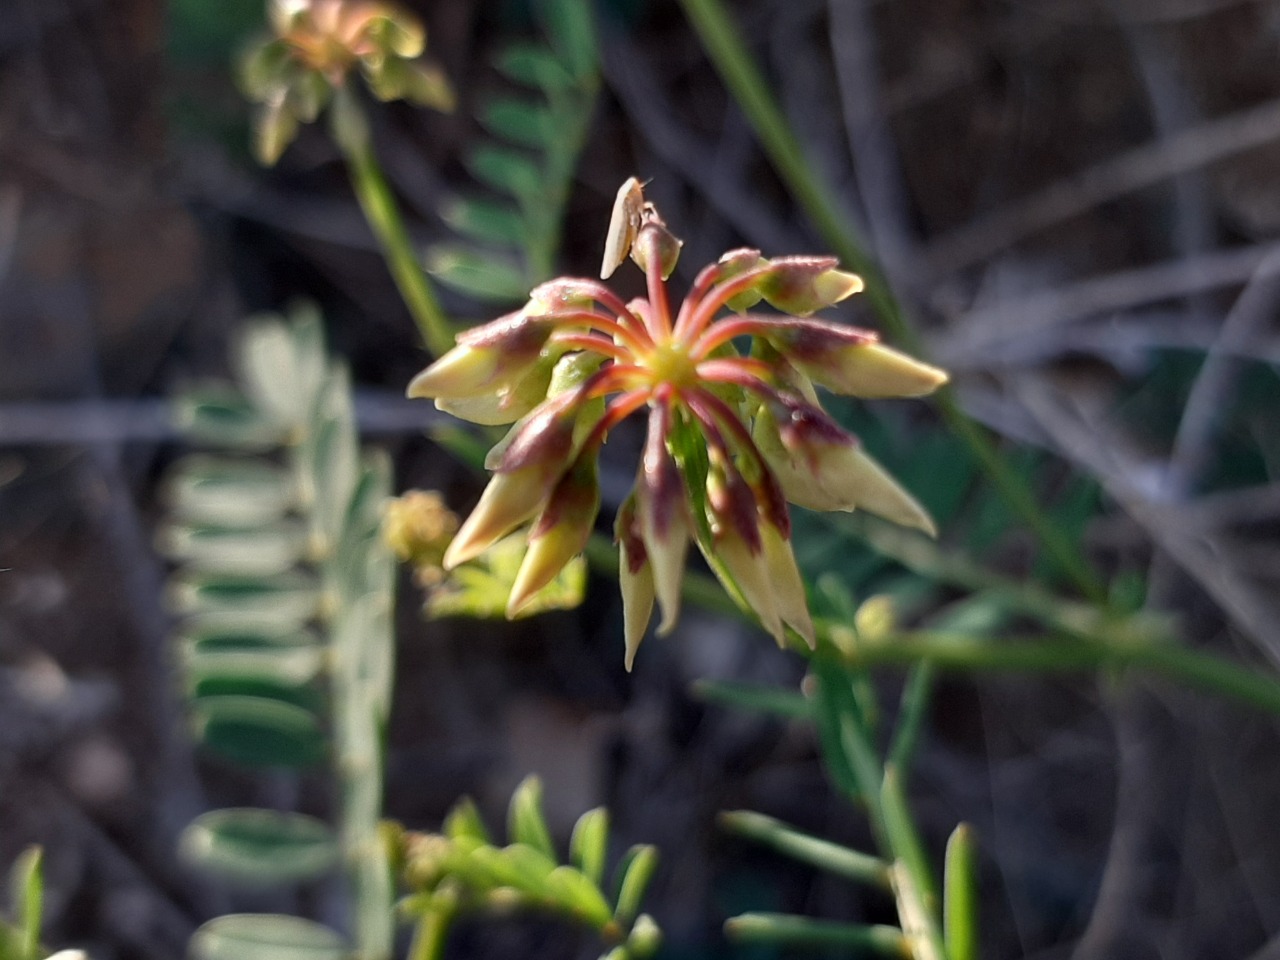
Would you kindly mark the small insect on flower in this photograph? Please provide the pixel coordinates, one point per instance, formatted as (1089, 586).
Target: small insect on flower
(313, 48)
(733, 434)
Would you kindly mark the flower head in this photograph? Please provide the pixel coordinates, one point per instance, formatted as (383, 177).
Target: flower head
(735, 430)
(315, 45)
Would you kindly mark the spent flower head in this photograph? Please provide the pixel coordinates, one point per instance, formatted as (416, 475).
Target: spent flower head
(735, 429)
(315, 45)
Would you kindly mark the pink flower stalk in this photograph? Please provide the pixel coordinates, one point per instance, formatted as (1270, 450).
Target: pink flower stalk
(733, 433)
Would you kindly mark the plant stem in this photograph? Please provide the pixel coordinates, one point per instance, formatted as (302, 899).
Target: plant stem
(1060, 652)
(378, 203)
(823, 854)
(1193, 668)
(430, 935)
(748, 86)
(781, 928)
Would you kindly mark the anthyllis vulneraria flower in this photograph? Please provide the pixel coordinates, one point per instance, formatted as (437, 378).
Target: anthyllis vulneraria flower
(313, 48)
(733, 433)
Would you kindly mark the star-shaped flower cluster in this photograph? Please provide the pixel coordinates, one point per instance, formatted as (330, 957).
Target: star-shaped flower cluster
(735, 428)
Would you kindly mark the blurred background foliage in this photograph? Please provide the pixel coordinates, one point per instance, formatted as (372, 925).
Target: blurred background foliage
(1075, 201)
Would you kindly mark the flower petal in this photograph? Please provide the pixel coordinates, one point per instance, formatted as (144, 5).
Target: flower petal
(635, 576)
(788, 585)
(561, 532)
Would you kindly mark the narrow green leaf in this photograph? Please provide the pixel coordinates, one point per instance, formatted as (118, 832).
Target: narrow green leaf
(523, 123)
(517, 866)
(261, 936)
(634, 873)
(270, 374)
(904, 840)
(28, 894)
(229, 492)
(308, 697)
(823, 854)
(578, 895)
(589, 844)
(569, 26)
(263, 551)
(525, 821)
(258, 731)
(534, 66)
(788, 704)
(283, 603)
(464, 821)
(199, 637)
(792, 931)
(980, 615)
(508, 171)
(288, 666)
(960, 895)
(220, 415)
(260, 847)
(846, 748)
(484, 221)
(911, 716)
(334, 457)
(485, 276)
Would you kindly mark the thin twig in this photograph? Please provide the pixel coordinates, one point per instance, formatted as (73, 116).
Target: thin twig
(1170, 280)
(1079, 440)
(881, 185)
(1249, 315)
(1143, 166)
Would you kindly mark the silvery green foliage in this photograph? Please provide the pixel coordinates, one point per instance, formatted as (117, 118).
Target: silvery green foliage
(285, 592)
(512, 238)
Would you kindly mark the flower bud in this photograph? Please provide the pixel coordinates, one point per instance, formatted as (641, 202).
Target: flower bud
(560, 533)
(849, 361)
(737, 262)
(509, 403)
(655, 238)
(788, 585)
(635, 576)
(803, 285)
(738, 545)
(748, 575)
(663, 516)
(508, 501)
(800, 484)
(486, 360)
(846, 478)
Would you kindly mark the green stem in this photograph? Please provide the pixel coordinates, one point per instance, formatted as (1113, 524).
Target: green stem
(781, 928)
(748, 86)
(1192, 668)
(960, 895)
(797, 845)
(1063, 652)
(911, 716)
(913, 882)
(431, 934)
(378, 203)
